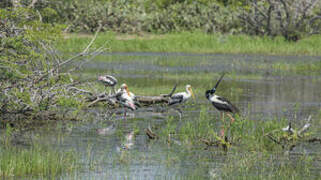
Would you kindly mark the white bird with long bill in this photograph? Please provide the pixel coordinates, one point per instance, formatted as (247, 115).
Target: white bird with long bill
(181, 97)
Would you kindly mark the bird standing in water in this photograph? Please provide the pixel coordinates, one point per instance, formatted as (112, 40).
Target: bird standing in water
(221, 104)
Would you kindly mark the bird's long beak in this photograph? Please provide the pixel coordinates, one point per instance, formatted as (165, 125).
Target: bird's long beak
(218, 82)
(192, 93)
(127, 90)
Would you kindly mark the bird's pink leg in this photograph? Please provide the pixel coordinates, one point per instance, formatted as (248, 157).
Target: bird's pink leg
(231, 117)
(124, 113)
(222, 128)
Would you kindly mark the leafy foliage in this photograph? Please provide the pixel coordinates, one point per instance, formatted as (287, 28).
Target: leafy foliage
(32, 74)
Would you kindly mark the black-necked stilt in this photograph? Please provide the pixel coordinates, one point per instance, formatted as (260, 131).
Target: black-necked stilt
(221, 104)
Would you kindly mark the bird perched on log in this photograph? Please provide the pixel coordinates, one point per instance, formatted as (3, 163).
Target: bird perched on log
(221, 104)
(126, 98)
(181, 97)
(108, 81)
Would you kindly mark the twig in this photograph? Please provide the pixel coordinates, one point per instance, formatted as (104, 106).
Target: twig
(83, 53)
(93, 39)
(305, 127)
(32, 4)
(274, 140)
(80, 90)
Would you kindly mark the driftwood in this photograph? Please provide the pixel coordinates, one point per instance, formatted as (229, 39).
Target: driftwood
(147, 100)
(220, 142)
(293, 136)
(143, 100)
(150, 133)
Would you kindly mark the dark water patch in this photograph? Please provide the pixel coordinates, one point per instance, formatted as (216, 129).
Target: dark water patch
(223, 56)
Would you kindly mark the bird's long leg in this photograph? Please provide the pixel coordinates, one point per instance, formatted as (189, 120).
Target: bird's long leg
(222, 128)
(231, 117)
(114, 91)
(124, 112)
(180, 113)
(106, 90)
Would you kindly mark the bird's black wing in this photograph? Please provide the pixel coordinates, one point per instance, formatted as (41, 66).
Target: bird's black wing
(229, 106)
(136, 102)
(112, 79)
(175, 99)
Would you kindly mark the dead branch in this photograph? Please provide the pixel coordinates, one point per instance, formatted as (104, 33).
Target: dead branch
(148, 100)
(150, 133)
(83, 53)
(280, 17)
(312, 140)
(110, 99)
(79, 90)
(275, 140)
(209, 143)
(32, 4)
(305, 127)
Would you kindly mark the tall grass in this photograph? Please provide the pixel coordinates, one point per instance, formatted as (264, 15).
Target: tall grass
(36, 161)
(195, 42)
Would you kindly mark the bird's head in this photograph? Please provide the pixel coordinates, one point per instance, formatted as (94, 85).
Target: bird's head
(125, 87)
(208, 93)
(189, 89)
(100, 78)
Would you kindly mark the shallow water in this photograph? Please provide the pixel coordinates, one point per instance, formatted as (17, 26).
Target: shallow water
(261, 92)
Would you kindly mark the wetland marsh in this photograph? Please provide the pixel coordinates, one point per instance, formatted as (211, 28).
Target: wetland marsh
(269, 91)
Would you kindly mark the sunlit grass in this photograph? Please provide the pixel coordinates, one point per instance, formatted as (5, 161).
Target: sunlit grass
(35, 162)
(196, 42)
(262, 165)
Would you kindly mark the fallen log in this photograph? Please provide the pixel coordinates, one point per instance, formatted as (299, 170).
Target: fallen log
(148, 100)
(143, 100)
(293, 136)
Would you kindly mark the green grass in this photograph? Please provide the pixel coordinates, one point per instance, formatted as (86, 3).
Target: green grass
(196, 42)
(35, 162)
(258, 165)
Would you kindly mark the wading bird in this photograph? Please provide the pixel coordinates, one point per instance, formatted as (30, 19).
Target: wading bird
(108, 81)
(126, 98)
(181, 97)
(221, 104)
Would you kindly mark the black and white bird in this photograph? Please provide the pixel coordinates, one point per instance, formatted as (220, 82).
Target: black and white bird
(221, 104)
(108, 81)
(181, 97)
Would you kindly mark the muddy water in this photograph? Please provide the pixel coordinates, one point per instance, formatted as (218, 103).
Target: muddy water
(262, 92)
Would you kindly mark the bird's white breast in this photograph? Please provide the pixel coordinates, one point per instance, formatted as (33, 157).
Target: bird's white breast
(216, 100)
(184, 94)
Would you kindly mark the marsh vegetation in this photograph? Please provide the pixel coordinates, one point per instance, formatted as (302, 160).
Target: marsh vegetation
(49, 129)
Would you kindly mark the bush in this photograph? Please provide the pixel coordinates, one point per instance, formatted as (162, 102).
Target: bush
(32, 74)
